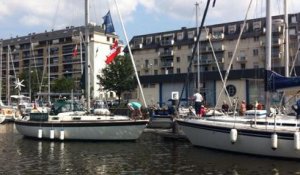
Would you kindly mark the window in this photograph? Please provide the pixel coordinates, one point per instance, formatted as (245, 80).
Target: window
(294, 19)
(230, 54)
(155, 62)
(255, 52)
(245, 28)
(177, 59)
(256, 26)
(256, 38)
(191, 34)
(180, 36)
(178, 70)
(292, 31)
(231, 29)
(243, 66)
(179, 47)
(107, 39)
(157, 39)
(231, 89)
(218, 33)
(149, 40)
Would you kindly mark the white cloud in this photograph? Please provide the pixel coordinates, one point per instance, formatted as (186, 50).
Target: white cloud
(48, 14)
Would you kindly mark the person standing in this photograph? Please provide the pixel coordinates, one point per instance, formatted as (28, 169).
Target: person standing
(198, 99)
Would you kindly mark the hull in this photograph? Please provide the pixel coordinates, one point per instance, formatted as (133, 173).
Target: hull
(83, 130)
(161, 122)
(255, 141)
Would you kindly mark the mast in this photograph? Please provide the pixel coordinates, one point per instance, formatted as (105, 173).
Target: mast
(49, 100)
(286, 36)
(81, 65)
(198, 47)
(87, 54)
(1, 73)
(130, 53)
(8, 77)
(268, 51)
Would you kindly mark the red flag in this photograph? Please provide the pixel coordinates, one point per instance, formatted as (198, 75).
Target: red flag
(75, 51)
(115, 50)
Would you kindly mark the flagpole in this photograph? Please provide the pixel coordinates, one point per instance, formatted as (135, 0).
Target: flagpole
(130, 53)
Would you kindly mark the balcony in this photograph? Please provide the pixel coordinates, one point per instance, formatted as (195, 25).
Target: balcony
(276, 56)
(147, 66)
(137, 46)
(217, 36)
(167, 64)
(167, 42)
(241, 59)
(276, 42)
(166, 53)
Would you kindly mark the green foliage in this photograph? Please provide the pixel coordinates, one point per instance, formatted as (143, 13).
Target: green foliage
(63, 85)
(118, 76)
(31, 80)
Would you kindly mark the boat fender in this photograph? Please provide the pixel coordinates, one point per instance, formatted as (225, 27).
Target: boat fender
(297, 140)
(52, 134)
(40, 133)
(233, 135)
(274, 141)
(62, 135)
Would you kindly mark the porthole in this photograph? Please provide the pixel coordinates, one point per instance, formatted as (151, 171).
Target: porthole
(231, 89)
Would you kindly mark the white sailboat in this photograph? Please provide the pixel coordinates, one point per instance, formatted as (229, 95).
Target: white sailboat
(72, 123)
(280, 138)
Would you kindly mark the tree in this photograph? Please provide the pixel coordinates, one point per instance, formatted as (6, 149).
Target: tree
(63, 85)
(31, 81)
(118, 76)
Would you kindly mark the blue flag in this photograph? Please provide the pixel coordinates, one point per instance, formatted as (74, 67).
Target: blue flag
(109, 26)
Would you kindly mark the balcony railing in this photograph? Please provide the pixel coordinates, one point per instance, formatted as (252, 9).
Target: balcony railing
(167, 64)
(167, 42)
(241, 59)
(166, 53)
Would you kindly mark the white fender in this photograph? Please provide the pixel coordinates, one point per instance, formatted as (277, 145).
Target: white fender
(274, 141)
(297, 140)
(40, 133)
(233, 135)
(52, 134)
(62, 135)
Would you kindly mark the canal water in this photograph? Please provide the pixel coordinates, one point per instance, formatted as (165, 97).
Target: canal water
(151, 154)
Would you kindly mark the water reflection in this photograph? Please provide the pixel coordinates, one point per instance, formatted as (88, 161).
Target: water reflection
(151, 154)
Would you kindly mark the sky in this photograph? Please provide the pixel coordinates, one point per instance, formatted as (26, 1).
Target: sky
(19, 18)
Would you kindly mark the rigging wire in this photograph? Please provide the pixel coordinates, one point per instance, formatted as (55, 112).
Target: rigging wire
(55, 14)
(194, 50)
(217, 63)
(235, 50)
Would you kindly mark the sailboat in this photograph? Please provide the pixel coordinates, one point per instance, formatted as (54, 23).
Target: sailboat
(72, 123)
(279, 139)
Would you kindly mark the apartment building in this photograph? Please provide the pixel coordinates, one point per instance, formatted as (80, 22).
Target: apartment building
(163, 59)
(33, 53)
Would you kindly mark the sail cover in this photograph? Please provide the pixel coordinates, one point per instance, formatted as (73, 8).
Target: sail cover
(277, 82)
